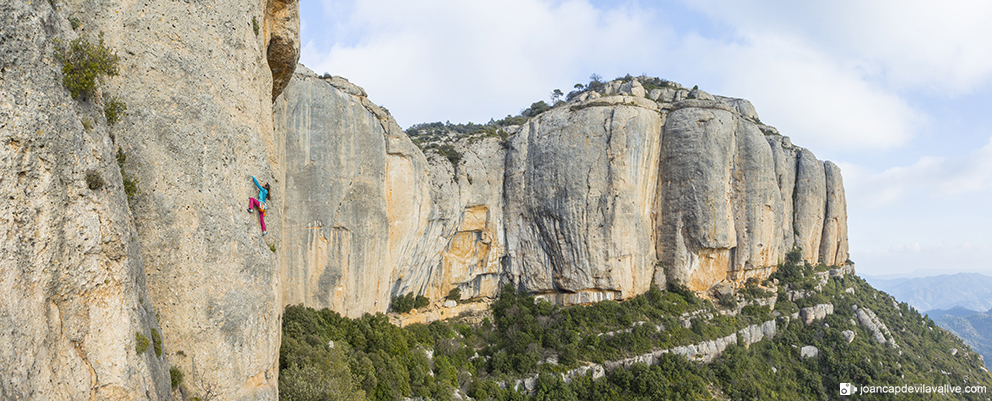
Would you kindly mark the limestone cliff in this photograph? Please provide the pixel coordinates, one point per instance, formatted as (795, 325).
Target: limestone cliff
(368, 216)
(580, 186)
(185, 259)
(593, 199)
(356, 195)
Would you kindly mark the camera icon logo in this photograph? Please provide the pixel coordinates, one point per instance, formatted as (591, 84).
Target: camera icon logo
(847, 389)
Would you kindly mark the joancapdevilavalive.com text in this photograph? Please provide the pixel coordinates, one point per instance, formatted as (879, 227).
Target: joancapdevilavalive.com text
(849, 389)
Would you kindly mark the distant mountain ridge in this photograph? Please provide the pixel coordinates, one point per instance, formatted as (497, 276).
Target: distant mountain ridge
(971, 291)
(975, 328)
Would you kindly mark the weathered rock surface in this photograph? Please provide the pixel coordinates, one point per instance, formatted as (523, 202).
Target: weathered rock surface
(580, 185)
(848, 335)
(815, 312)
(338, 238)
(809, 351)
(784, 155)
(833, 245)
(368, 217)
(282, 38)
(72, 285)
(695, 219)
(595, 194)
(594, 199)
(468, 202)
(198, 84)
(872, 324)
(810, 204)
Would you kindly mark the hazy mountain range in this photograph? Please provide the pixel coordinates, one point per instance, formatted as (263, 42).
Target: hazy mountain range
(958, 303)
(971, 291)
(975, 328)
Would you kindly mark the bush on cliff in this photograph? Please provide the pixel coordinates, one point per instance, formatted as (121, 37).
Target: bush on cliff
(83, 62)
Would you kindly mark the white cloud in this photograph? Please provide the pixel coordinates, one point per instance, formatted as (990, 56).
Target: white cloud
(820, 102)
(460, 61)
(911, 44)
(835, 76)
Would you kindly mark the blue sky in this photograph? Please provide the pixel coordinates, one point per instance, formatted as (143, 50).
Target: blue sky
(898, 93)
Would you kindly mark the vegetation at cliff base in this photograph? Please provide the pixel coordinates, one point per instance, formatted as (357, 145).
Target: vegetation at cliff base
(408, 302)
(529, 344)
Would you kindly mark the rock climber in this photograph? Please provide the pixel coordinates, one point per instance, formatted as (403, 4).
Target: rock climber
(263, 195)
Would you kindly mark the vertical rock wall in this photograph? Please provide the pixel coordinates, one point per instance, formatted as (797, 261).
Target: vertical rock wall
(810, 204)
(197, 79)
(589, 201)
(758, 206)
(367, 217)
(579, 190)
(784, 155)
(695, 220)
(72, 287)
(468, 205)
(833, 245)
(357, 197)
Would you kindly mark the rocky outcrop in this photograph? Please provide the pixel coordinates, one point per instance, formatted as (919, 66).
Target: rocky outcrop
(594, 199)
(784, 155)
(601, 196)
(72, 286)
(282, 41)
(833, 243)
(815, 312)
(810, 204)
(695, 218)
(809, 351)
(357, 196)
(467, 198)
(879, 331)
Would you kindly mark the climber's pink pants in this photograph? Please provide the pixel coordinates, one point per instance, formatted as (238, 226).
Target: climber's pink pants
(254, 204)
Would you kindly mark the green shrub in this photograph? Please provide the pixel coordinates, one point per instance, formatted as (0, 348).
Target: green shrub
(448, 151)
(157, 342)
(403, 303)
(421, 301)
(793, 270)
(455, 294)
(88, 123)
(130, 184)
(140, 343)
(114, 110)
(74, 22)
(536, 108)
(93, 180)
(177, 377)
(254, 25)
(83, 63)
